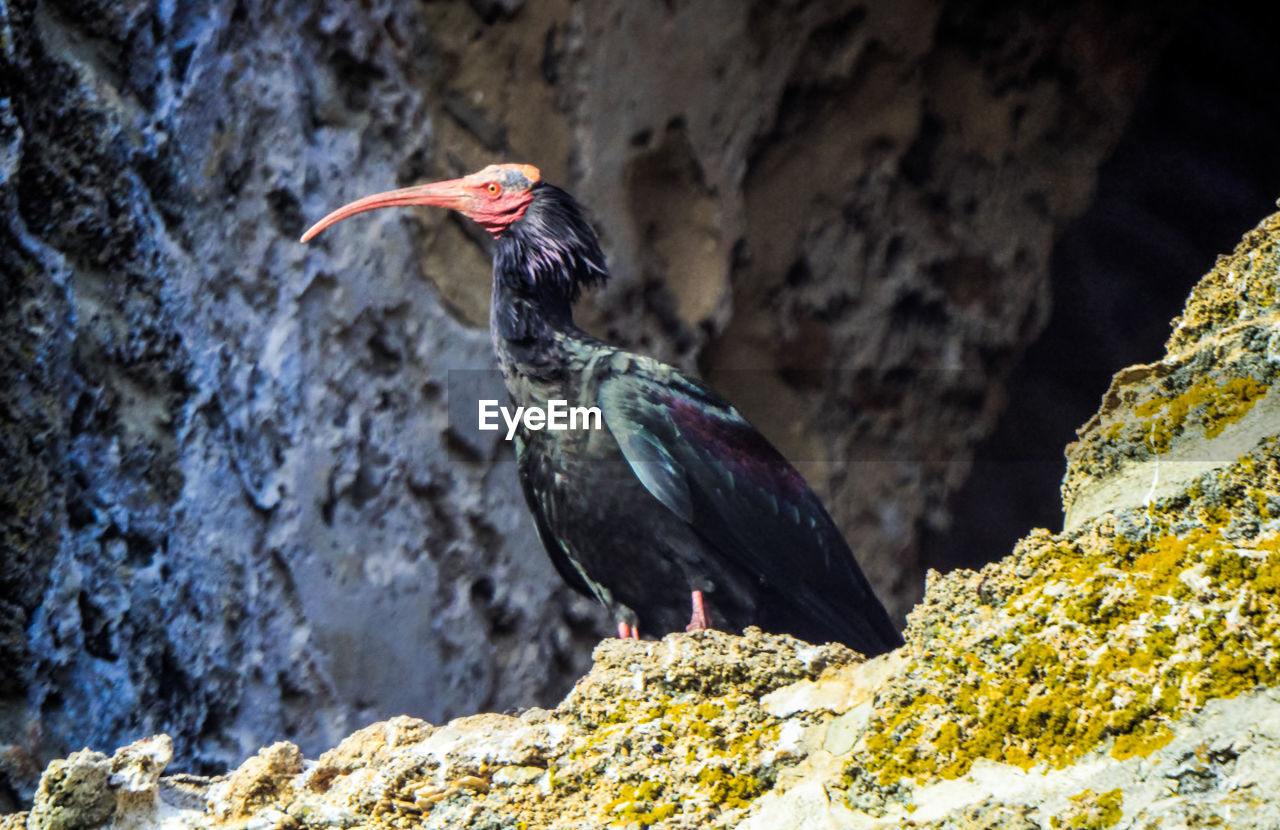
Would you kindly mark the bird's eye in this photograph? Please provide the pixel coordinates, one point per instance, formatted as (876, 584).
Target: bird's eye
(493, 188)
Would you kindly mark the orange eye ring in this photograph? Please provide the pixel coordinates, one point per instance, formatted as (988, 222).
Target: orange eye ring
(493, 188)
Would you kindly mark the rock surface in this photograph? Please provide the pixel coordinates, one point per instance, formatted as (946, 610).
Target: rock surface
(241, 502)
(1123, 673)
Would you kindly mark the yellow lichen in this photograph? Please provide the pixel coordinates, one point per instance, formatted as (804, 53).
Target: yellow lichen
(672, 735)
(1113, 637)
(1141, 744)
(1242, 284)
(1091, 811)
(635, 804)
(1214, 406)
(730, 790)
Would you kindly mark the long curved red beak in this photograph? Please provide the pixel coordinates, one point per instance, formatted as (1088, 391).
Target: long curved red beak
(450, 194)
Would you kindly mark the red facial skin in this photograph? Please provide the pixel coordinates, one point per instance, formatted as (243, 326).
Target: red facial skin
(493, 198)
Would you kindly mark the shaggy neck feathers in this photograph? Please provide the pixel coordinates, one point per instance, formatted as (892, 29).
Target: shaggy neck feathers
(541, 263)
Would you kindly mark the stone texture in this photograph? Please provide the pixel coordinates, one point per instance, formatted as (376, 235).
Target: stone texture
(238, 511)
(243, 504)
(89, 789)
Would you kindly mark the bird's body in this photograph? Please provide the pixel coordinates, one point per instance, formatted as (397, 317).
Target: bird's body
(675, 494)
(589, 505)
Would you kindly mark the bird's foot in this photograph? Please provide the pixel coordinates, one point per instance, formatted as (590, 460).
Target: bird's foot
(699, 621)
(628, 632)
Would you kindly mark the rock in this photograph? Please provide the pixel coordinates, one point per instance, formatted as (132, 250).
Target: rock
(74, 794)
(1079, 671)
(89, 789)
(135, 779)
(259, 782)
(1208, 402)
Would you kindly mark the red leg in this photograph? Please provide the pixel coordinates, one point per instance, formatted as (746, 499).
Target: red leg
(628, 632)
(699, 621)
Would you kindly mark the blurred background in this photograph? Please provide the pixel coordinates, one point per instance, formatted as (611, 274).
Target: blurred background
(911, 241)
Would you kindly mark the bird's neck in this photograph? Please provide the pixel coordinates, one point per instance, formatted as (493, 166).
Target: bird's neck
(541, 263)
(531, 334)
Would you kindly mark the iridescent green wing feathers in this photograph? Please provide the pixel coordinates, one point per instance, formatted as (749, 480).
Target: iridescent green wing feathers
(708, 465)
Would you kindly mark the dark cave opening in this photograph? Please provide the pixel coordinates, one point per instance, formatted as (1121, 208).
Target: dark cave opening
(1195, 169)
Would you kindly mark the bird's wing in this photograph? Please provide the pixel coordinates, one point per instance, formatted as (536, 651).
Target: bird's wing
(708, 465)
(530, 479)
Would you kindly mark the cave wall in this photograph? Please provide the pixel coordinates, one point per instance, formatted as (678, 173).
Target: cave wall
(242, 505)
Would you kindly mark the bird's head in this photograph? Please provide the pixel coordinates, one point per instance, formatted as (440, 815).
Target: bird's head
(493, 198)
(545, 247)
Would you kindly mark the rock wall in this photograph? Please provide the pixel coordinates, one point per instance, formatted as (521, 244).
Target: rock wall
(241, 506)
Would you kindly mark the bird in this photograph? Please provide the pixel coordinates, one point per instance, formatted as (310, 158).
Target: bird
(674, 506)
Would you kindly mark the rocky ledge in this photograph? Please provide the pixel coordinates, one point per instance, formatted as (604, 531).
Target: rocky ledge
(1122, 673)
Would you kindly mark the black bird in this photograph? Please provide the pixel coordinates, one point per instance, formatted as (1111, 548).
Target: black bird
(675, 495)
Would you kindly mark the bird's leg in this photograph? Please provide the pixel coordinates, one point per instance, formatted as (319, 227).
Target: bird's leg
(699, 621)
(628, 631)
